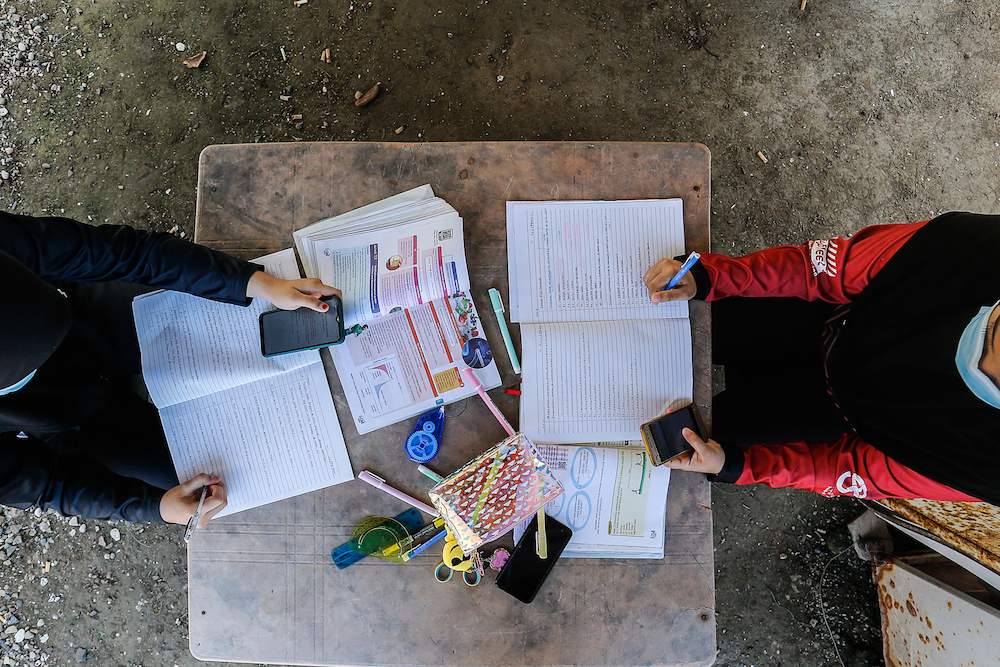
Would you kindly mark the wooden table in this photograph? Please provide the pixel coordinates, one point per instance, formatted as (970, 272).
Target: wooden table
(262, 584)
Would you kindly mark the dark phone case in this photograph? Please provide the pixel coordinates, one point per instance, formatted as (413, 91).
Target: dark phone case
(525, 572)
(658, 450)
(333, 300)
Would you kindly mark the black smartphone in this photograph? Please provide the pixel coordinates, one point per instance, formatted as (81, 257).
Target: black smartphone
(284, 331)
(524, 571)
(663, 437)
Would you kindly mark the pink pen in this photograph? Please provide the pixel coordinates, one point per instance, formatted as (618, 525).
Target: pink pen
(380, 484)
(470, 378)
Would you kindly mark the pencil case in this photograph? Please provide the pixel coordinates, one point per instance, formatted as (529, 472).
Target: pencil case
(494, 492)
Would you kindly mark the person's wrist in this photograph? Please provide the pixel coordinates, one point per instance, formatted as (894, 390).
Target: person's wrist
(171, 507)
(732, 465)
(259, 285)
(163, 515)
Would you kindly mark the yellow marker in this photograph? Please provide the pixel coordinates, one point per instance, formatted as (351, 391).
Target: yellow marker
(541, 541)
(393, 548)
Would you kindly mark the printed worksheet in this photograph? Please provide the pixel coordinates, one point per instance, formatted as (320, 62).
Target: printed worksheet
(410, 361)
(412, 325)
(615, 501)
(399, 267)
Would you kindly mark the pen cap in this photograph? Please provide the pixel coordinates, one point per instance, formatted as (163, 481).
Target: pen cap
(495, 298)
(471, 379)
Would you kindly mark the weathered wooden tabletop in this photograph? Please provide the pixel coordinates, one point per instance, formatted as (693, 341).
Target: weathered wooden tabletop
(263, 587)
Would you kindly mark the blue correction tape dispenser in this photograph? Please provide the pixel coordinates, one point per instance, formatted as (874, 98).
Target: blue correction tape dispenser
(425, 439)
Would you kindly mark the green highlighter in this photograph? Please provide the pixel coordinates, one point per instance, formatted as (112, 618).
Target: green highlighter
(502, 321)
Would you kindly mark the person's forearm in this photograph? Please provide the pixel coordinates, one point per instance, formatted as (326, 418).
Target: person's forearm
(848, 466)
(73, 486)
(64, 249)
(833, 270)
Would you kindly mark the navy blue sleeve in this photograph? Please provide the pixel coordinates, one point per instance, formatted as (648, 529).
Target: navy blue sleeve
(30, 476)
(64, 249)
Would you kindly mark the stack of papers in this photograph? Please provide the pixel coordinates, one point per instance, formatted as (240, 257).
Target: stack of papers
(413, 206)
(615, 501)
(412, 325)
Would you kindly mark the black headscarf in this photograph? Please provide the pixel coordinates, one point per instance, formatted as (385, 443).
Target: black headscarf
(893, 371)
(35, 319)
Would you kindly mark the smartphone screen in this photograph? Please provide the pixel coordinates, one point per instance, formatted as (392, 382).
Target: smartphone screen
(663, 436)
(283, 331)
(524, 571)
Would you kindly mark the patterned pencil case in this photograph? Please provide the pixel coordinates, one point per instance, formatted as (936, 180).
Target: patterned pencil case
(494, 492)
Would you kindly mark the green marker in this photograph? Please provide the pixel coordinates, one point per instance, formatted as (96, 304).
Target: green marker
(502, 321)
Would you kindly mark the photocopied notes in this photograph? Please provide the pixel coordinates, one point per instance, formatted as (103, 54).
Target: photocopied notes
(575, 261)
(602, 380)
(412, 324)
(615, 501)
(598, 357)
(268, 427)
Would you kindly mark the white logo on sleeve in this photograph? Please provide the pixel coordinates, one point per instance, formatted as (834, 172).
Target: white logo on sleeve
(823, 257)
(858, 488)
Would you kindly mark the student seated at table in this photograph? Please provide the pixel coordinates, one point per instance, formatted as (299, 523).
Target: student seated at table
(866, 366)
(73, 434)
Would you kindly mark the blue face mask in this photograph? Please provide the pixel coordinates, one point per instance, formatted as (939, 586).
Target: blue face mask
(970, 351)
(17, 385)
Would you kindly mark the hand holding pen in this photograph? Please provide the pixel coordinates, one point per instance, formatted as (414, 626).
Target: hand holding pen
(180, 504)
(196, 518)
(670, 280)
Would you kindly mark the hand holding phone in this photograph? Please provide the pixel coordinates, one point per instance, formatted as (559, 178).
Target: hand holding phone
(705, 456)
(663, 436)
(289, 294)
(284, 331)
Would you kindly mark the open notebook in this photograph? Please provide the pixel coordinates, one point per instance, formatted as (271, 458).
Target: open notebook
(599, 359)
(267, 426)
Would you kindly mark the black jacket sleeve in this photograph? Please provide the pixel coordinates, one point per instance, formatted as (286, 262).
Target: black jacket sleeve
(64, 249)
(31, 476)
(733, 467)
(702, 282)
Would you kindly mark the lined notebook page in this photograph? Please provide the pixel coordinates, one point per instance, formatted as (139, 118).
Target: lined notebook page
(602, 380)
(194, 347)
(268, 440)
(575, 261)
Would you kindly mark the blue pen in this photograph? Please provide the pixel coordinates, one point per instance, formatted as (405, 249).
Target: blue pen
(685, 267)
(419, 549)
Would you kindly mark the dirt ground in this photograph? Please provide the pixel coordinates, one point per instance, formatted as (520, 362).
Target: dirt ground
(865, 112)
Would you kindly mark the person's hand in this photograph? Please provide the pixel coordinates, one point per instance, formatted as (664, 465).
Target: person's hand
(707, 457)
(290, 294)
(180, 503)
(660, 274)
